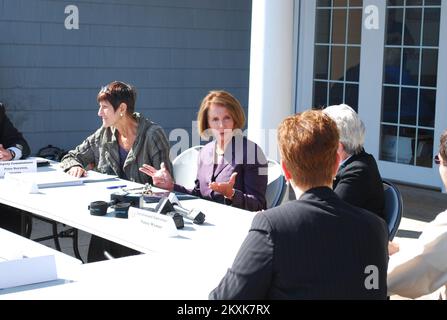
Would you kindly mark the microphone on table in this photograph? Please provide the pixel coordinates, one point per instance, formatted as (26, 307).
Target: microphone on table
(194, 214)
(165, 207)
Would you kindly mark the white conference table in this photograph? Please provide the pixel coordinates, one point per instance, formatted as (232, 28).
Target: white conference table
(141, 277)
(29, 248)
(186, 266)
(69, 205)
(13, 246)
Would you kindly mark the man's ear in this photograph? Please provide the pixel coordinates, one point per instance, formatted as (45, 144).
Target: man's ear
(286, 172)
(337, 164)
(340, 148)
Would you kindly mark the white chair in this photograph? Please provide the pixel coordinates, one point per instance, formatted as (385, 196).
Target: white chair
(185, 173)
(276, 184)
(185, 167)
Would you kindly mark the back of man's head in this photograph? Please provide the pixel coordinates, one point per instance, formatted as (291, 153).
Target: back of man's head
(352, 129)
(308, 143)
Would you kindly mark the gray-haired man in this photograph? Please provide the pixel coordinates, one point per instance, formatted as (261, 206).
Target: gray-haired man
(358, 180)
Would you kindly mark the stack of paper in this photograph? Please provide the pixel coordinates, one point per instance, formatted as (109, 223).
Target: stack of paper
(94, 176)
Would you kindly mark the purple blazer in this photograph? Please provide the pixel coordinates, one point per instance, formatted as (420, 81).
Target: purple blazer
(242, 156)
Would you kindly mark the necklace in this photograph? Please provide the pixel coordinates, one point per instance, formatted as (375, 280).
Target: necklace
(126, 142)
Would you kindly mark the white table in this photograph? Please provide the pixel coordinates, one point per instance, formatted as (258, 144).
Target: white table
(148, 276)
(188, 266)
(69, 205)
(13, 245)
(29, 248)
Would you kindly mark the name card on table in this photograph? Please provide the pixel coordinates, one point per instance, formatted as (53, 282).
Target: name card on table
(19, 272)
(18, 166)
(153, 222)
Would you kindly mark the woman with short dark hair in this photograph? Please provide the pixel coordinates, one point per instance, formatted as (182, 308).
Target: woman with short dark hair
(125, 141)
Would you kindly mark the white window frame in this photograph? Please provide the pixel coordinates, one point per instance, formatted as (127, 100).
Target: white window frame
(371, 85)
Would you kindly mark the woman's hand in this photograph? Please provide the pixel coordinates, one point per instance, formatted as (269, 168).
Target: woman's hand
(225, 188)
(161, 178)
(77, 171)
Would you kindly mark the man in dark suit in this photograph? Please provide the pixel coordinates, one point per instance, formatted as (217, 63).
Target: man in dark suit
(316, 247)
(12, 144)
(12, 147)
(358, 180)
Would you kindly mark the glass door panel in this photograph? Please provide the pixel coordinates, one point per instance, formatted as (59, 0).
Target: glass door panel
(338, 28)
(409, 82)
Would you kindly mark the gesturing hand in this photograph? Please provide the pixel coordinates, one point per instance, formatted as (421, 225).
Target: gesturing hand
(225, 188)
(161, 178)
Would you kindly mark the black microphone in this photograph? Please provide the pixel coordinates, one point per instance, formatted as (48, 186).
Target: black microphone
(194, 214)
(165, 207)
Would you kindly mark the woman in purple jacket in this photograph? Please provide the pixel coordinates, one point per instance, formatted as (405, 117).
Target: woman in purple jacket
(231, 169)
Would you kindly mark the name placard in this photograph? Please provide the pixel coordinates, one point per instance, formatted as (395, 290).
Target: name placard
(153, 222)
(18, 166)
(27, 271)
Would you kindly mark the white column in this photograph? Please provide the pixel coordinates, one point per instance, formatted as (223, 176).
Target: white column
(272, 71)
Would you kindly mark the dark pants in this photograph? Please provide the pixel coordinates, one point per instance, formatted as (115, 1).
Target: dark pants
(10, 218)
(98, 245)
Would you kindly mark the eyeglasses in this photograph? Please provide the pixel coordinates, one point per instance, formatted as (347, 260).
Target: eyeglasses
(437, 159)
(125, 89)
(105, 89)
(117, 93)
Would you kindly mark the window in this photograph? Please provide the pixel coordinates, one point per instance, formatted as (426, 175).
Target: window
(410, 81)
(337, 52)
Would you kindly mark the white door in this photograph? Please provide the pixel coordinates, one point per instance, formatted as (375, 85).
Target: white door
(381, 58)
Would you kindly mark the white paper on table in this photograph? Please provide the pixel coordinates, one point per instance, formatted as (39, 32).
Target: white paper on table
(47, 179)
(94, 176)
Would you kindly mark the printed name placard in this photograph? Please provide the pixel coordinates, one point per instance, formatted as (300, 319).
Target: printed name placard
(27, 271)
(154, 222)
(18, 166)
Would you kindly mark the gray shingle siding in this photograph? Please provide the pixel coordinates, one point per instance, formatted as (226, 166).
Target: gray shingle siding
(173, 51)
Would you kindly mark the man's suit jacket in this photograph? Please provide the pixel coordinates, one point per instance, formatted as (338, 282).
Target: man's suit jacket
(358, 182)
(317, 247)
(10, 136)
(242, 156)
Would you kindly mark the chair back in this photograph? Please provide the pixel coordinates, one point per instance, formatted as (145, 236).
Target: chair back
(276, 184)
(185, 167)
(393, 207)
